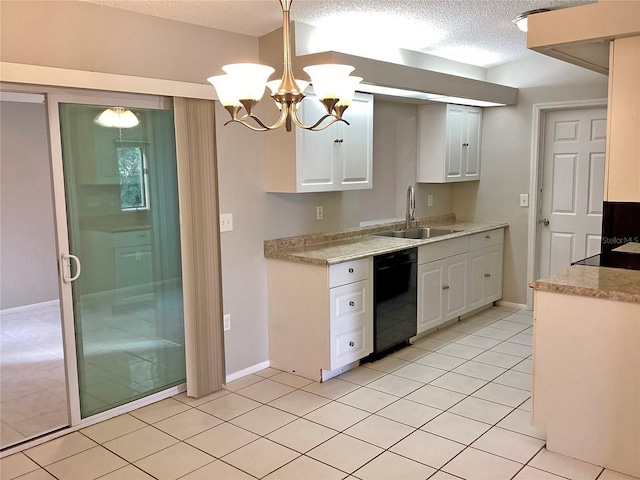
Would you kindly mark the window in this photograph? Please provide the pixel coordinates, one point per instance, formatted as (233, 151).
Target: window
(133, 178)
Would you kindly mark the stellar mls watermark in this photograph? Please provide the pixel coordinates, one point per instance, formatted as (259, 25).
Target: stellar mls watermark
(619, 240)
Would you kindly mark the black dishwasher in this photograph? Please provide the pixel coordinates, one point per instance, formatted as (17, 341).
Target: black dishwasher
(395, 299)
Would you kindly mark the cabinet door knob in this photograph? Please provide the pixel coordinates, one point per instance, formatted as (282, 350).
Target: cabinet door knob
(446, 287)
(351, 304)
(465, 144)
(338, 140)
(351, 344)
(351, 270)
(488, 237)
(487, 275)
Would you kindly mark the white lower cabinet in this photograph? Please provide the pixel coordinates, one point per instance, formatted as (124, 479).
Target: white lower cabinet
(485, 276)
(351, 332)
(454, 280)
(320, 317)
(441, 291)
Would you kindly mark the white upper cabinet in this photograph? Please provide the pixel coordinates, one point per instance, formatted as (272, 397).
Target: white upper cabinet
(335, 159)
(449, 143)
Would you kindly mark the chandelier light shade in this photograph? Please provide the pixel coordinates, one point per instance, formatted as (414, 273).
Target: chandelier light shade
(243, 85)
(117, 117)
(521, 20)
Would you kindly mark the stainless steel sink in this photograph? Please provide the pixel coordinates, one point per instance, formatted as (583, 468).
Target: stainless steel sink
(417, 233)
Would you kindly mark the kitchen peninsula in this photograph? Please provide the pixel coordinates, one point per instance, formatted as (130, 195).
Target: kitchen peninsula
(586, 365)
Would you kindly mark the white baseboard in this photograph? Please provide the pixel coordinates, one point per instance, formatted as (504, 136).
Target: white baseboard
(247, 371)
(519, 306)
(33, 306)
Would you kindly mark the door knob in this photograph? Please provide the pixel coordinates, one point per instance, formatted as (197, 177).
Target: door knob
(544, 221)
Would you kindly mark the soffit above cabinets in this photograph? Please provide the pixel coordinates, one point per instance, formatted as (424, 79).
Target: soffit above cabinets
(581, 35)
(388, 74)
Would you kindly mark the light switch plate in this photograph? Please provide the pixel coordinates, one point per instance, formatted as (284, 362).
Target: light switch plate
(524, 199)
(226, 222)
(319, 212)
(429, 200)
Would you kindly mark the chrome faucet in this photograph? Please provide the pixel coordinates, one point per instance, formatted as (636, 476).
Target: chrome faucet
(411, 205)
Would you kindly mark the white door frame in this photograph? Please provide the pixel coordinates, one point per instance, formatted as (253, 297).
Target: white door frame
(540, 111)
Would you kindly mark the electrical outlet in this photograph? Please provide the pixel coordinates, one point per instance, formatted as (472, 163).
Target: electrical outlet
(429, 200)
(524, 199)
(227, 322)
(226, 222)
(319, 212)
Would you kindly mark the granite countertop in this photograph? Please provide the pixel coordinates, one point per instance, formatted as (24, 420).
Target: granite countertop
(598, 282)
(329, 249)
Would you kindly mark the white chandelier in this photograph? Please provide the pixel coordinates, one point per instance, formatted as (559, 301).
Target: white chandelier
(243, 85)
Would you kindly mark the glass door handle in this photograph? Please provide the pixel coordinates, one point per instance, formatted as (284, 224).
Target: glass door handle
(66, 258)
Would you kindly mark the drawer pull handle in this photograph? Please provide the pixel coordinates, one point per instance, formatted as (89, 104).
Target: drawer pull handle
(351, 270)
(487, 275)
(338, 140)
(351, 344)
(446, 287)
(351, 304)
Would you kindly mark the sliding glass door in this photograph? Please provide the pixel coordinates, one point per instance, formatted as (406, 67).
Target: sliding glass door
(123, 263)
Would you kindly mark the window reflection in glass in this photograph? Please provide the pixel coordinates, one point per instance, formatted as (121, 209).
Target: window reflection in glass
(132, 171)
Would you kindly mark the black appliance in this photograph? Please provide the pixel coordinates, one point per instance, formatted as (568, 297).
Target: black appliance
(620, 225)
(395, 300)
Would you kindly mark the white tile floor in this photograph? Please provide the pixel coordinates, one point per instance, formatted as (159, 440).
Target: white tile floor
(32, 379)
(454, 405)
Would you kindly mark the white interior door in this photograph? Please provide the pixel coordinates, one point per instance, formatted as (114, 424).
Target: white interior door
(570, 220)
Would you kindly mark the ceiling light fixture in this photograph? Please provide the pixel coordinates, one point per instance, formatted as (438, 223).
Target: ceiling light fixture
(521, 20)
(117, 117)
(243, 86)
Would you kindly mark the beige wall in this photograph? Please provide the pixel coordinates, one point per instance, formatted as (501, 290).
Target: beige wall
(506, 154)
(27, 243)
(84, 36)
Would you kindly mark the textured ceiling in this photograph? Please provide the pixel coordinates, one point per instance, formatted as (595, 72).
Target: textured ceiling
(478, 32)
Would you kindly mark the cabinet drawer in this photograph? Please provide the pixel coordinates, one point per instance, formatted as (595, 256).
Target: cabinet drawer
(439, 250)
(131, 239)
(349, 346)
(350, 305)
(349, 272)
(486, 239)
